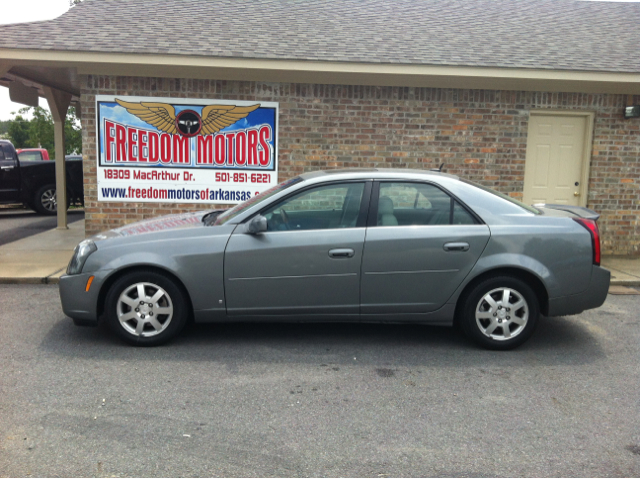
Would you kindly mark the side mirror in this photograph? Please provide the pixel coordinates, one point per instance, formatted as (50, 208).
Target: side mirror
(258, 224)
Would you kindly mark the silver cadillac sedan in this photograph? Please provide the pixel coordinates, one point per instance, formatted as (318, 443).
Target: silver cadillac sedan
(371, 245)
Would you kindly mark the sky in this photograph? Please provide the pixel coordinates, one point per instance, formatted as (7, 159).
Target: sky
(36, 10)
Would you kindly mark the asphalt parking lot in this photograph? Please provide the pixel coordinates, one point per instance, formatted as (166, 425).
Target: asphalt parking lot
(316, 400)
(17, 222)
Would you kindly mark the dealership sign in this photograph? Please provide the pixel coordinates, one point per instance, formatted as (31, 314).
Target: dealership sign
(185, 150)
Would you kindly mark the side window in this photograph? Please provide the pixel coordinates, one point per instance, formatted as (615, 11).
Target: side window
(8, 152)
(324, 207)
(405, 204)
(2, 158)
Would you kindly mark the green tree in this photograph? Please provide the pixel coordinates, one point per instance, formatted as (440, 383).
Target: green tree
(4, 128)
(18, 131)
(41, 130)
(38, 132)
(72, 133)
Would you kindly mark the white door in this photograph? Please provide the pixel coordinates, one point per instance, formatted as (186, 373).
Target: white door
(555, 162)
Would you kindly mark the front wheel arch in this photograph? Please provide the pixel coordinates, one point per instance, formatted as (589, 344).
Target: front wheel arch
(106, 286)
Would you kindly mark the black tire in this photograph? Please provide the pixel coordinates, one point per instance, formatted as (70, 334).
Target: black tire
(499, 327)
(44, 201)
(171, 297)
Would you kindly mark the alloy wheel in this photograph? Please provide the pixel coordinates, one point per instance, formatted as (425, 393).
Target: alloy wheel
(144, 309)
(502, 314)
(48, 199)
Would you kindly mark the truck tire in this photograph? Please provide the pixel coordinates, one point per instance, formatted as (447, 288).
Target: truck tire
(45, 200)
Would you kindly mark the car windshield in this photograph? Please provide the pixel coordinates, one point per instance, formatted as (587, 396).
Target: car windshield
(242, 207)
(530, 209)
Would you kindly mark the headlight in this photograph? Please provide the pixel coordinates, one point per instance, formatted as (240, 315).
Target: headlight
(80, 255)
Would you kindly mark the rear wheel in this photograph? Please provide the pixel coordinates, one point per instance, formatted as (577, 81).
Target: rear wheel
(45, 200)
(146, 308)
(500, 312)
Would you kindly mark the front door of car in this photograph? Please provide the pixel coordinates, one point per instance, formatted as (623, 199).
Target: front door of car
(307, 262)
(9, 174)
(421, 243)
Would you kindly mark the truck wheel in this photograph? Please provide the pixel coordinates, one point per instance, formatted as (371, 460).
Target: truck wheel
(45, 200)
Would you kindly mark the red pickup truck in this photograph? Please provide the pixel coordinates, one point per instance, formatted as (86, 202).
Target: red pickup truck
(32, 154)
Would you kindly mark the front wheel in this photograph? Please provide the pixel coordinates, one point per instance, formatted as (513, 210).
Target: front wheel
(500, 313)
(146, 308)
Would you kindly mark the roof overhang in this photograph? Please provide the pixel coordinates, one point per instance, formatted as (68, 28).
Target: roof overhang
(60, 69)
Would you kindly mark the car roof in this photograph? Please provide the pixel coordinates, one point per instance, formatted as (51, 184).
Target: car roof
(375, 173)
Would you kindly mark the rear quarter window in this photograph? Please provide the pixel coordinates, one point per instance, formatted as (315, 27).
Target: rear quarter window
(511, 200)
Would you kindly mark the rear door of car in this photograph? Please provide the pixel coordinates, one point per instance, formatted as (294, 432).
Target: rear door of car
(420, 245)
(308, 261)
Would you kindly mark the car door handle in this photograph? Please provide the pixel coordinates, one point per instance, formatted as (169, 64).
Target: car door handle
(7, 167)
(341, 253)
(456, 246)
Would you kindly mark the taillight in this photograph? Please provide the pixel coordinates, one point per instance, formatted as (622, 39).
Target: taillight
(592, 227)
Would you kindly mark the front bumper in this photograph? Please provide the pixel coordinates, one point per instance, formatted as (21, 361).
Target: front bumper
(77, 303)
(593, 297)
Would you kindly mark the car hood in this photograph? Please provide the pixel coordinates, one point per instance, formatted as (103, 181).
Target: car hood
(154, 225)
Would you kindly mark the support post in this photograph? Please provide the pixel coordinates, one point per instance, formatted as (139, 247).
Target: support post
(59, 104)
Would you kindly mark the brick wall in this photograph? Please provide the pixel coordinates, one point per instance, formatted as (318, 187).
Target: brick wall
(479, 134)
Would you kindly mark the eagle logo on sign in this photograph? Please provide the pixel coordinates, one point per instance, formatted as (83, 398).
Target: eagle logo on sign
(188, 122)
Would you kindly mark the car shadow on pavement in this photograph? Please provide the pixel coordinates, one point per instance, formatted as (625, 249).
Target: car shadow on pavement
(557, 341)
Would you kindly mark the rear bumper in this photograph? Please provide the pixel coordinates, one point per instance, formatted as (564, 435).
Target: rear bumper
(593, 297)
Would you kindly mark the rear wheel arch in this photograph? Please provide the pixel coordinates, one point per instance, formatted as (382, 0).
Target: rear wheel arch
(531, 279)
(106, 286)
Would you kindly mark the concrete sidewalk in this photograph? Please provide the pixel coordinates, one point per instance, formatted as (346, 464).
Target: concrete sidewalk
(43, 258)
(625, 270)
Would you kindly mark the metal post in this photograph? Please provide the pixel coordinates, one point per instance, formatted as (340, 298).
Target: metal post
(59, 104)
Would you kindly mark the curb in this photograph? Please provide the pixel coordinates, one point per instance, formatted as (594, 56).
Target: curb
(626, 282)
(47, 280)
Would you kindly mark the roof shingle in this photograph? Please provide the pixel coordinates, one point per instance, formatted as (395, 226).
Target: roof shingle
(541, 34)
